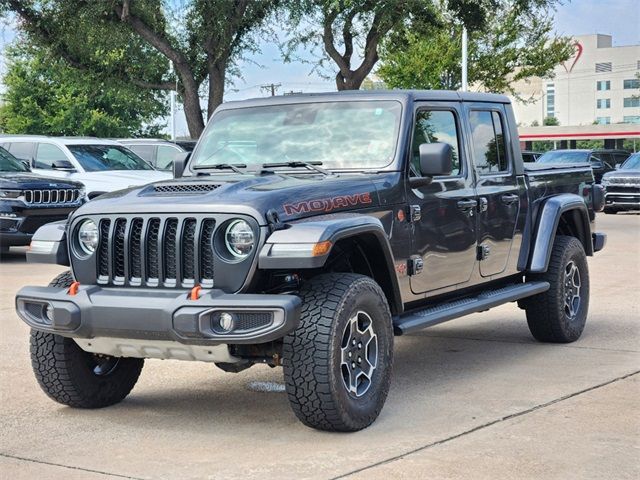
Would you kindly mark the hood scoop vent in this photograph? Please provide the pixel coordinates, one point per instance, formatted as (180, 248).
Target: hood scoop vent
(185, 188)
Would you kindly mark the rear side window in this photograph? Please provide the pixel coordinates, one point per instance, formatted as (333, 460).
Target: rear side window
(143, 151)
(22, 150)
(487, 134)
(47, 155)
(436, 126)
(166, 156)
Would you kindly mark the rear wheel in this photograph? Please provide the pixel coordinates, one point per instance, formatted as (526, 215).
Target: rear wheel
(73, 377)
(337, 363)
(559, 314)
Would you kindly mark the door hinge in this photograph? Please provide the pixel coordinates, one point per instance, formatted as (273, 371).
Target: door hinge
(416, 264)
(415, 214)
(483, 252)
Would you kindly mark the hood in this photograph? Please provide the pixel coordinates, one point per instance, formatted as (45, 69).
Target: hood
(110, 181)
(290, 197)
(622, 176)
(33, 181)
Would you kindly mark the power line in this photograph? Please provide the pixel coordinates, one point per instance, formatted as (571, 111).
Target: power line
(271, 87)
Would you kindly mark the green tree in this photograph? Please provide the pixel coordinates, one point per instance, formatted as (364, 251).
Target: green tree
(134, 41)
(44, 95)
(550, 122)
(515, 42)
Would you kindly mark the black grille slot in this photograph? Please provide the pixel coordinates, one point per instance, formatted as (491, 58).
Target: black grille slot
(189, 249)
(118, 248)
(169, 249)
(103, 249)
(153, 259)
(135, 248)
(185, 188)
(206, 252)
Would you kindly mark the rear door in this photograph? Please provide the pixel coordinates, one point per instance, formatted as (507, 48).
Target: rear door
(497, 186)
(444, 235)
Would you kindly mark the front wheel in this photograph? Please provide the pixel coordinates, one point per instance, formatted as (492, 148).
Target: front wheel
(559, 314)
(76, 378)
(337, 363)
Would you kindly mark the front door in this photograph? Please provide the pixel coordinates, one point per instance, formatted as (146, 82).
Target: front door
(444, 235)
(498, 189)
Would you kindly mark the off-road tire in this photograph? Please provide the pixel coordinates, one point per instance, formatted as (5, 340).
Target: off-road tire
(546, 315)
(65, 372)
(312, 353)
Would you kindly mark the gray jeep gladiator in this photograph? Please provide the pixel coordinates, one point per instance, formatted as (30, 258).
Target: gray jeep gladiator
(305, 232)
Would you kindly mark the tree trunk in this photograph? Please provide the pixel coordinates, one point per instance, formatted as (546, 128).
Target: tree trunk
(217, 76)
(352, 82)
(191, 103)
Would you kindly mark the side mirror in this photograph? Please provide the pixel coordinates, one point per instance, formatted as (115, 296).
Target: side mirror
(435, 159)
(64, 165)
(618, 166)
(26, 164)
(180, 163)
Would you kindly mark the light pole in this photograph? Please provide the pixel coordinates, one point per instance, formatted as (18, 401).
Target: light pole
(464, 58)
(172, 99)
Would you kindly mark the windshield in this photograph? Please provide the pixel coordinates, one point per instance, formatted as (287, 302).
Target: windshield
(341, 135)
(560, 156)
(9, 163)
(95, 158)
(631, 163)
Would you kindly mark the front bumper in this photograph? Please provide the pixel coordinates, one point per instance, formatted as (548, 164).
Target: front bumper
(167, 315)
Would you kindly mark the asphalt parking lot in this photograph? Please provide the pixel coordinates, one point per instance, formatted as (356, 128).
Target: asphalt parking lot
(473, 398)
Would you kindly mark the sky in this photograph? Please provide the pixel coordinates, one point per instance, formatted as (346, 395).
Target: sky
(619, 18)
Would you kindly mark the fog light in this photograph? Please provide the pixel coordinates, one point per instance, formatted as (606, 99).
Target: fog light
(224, 323)
(48, 313)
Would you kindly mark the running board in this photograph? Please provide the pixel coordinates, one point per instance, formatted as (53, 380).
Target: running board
(428, 317)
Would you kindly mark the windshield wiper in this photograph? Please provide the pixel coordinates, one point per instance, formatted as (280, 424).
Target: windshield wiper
(223, 166)
(296, 164)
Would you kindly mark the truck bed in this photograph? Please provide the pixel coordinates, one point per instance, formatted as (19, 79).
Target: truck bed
(544, 180)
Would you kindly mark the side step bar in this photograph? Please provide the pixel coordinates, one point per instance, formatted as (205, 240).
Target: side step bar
(417, 320)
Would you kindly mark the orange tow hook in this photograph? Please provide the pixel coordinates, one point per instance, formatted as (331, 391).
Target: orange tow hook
(195, 292)
(73, 289)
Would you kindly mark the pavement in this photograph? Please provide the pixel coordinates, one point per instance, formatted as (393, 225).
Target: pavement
(473, 398)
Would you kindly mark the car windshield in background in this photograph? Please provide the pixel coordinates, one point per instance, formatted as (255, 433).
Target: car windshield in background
(631, 163)
(556, 156)
(95, 158)
(9, 163)
(341, 135)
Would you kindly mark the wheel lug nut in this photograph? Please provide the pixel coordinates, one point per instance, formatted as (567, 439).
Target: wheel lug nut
(359, 360)
(350, 354)
(353, 365)
(359, 344)
(353, 342)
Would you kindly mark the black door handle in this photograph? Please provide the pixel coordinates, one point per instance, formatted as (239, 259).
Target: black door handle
(467, 204)
(509, 198)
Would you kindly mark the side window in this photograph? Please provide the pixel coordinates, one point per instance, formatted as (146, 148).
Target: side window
(166, 155)
(47, 155)
(487, 135)
(143, 151)
(436, 126)
(22, 150)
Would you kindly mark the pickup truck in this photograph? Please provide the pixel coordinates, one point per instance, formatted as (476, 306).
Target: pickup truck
(306, 232)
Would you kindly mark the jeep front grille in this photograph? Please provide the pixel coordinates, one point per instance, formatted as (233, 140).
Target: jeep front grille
(170, 252)
(51, 196)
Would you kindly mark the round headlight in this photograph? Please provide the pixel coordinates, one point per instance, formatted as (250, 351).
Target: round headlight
(88, 236)
(239, 238)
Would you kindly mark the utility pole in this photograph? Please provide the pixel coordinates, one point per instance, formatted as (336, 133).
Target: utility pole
(464, 59)
(271, 87)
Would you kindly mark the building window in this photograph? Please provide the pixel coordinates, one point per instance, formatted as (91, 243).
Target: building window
(603, 103)
(551, 100)
(603, 67)
(631, 119)
(632, 83)
(603, 120)
(603, 85)
(632, 102)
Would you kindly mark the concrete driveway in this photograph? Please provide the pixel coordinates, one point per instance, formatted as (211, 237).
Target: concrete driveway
(473, 398)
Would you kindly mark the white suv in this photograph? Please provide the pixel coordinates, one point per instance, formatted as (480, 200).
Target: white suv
(101, 165)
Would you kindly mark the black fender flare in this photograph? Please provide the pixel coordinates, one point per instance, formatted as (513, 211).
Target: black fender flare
(331, 228)
(549, 216)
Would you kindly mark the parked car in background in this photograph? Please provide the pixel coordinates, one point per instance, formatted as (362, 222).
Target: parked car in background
(529, 156)
(101, 165)
(601, 161)
(623, 186)
(28, 200)
(158, 152)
